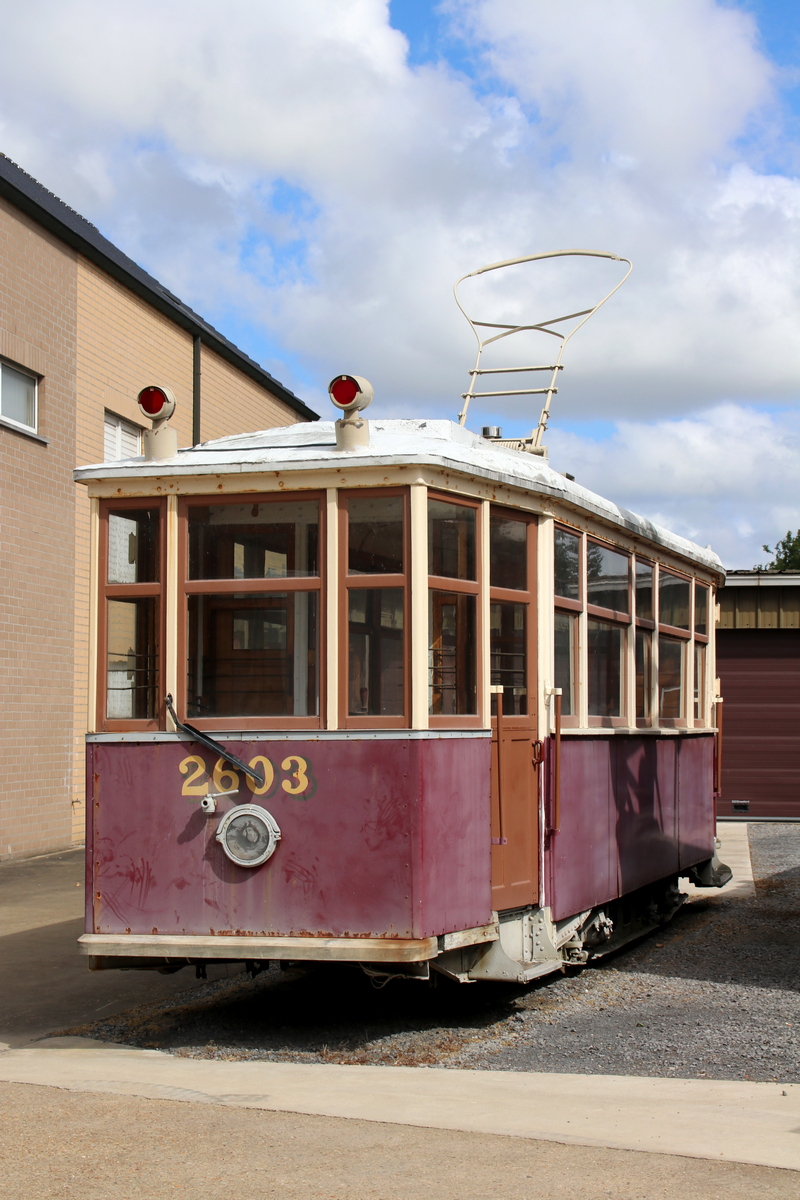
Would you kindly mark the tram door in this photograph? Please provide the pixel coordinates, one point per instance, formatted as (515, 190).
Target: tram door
(515, 783)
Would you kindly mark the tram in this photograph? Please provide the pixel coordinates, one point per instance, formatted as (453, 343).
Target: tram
(390, 693)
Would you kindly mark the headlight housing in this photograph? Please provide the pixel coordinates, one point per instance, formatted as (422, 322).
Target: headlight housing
(248, 834)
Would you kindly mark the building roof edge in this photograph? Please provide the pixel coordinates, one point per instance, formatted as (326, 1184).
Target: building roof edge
(29, 196)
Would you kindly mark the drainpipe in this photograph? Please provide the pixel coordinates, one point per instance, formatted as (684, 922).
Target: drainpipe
(196, 373)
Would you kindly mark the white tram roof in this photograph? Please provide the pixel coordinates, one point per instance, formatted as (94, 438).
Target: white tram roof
(443, 444)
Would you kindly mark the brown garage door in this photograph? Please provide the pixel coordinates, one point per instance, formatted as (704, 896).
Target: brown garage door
(759, 671)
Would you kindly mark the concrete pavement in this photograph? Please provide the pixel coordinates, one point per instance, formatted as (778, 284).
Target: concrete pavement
(722, 1120)
(647, 1121)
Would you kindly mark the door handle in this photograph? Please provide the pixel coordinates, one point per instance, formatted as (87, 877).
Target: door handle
(537, 753)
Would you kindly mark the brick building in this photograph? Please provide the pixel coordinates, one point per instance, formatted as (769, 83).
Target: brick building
(82, 330)
(758, 663)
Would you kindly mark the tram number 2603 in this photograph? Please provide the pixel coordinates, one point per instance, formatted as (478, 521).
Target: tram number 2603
(297, 779)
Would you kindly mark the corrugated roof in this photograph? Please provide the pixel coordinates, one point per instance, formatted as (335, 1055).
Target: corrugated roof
(28, 195)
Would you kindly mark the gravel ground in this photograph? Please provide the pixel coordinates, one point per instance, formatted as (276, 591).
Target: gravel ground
(715, 994)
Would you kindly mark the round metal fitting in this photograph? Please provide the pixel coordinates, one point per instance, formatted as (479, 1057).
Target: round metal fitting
(248, 834)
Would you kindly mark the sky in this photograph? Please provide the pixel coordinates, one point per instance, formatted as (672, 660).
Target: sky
(313, 177)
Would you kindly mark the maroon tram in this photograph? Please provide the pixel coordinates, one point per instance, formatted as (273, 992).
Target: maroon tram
(389, 693)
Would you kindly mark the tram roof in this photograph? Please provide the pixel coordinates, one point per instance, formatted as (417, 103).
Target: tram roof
(442, 444)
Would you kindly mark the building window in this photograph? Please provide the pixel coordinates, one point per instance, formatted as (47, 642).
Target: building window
(18, 397)
(121, 438)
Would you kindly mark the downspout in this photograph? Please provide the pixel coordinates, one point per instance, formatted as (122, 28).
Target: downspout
(196, 374)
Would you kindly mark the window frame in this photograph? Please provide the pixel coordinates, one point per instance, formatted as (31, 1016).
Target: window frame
(649, 625)
(528, 597)
(577, 609)
(130, 591)
(701, 639)
(229, 587)
(686, 637)
(10, 421)
(365, 582)
(463, 587)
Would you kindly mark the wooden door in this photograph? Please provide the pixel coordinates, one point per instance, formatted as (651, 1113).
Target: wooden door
(515, 751)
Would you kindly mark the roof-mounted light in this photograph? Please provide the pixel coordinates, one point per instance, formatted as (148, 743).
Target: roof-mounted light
(157, 403)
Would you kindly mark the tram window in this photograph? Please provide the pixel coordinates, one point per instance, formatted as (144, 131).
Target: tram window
(673, 600)
(452, 654)
(699, 680)
(132, 659)
(133, 545)
(375, 685)
(375, 535)
(255, 540)
(451, 540)
(253, 655)
(605, 642)
(567, 564)
(508, 557)
(565, 625)
(607, 578)
(644, 673)
(670, 678)
(700, 609)
(507, 655)
(644, 590)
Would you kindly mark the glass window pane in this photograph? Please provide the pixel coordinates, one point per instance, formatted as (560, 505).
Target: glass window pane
(670, 677)
(375, 683)
(253, 655)
(644, 590)
(255, 540)
(605, 669)
(375, 535)
(700, 609)
(17, 396)
(451, 540)
(565, 660)
(644, 673)
(607, 578)
(132, 659)
(673, 600)
(567, 564)
(452, 655)
(133, 545)
(699, 681)
(508, 553)
(507, 624)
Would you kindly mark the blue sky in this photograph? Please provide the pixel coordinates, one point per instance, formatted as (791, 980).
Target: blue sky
(314, 177)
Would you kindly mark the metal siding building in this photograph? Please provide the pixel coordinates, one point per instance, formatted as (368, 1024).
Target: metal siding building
(758, 664)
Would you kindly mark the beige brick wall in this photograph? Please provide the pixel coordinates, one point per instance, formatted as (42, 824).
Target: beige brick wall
(232, 403)
(95, 344)
(122, 345)
(38, 280)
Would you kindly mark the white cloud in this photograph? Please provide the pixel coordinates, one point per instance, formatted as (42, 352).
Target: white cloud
(728, 476)
(283, 166)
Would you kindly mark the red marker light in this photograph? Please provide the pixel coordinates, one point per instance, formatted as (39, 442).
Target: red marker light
(343, 390)
(157, 403)
(152, 400)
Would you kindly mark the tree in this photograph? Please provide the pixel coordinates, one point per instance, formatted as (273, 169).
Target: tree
(786, 552)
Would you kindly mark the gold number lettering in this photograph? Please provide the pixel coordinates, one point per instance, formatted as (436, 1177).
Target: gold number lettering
(299, 775)
(191, 787)
(221, 774)
(269, 774)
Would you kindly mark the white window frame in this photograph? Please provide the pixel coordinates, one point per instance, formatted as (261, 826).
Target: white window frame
(34, 428)
(119, 423)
